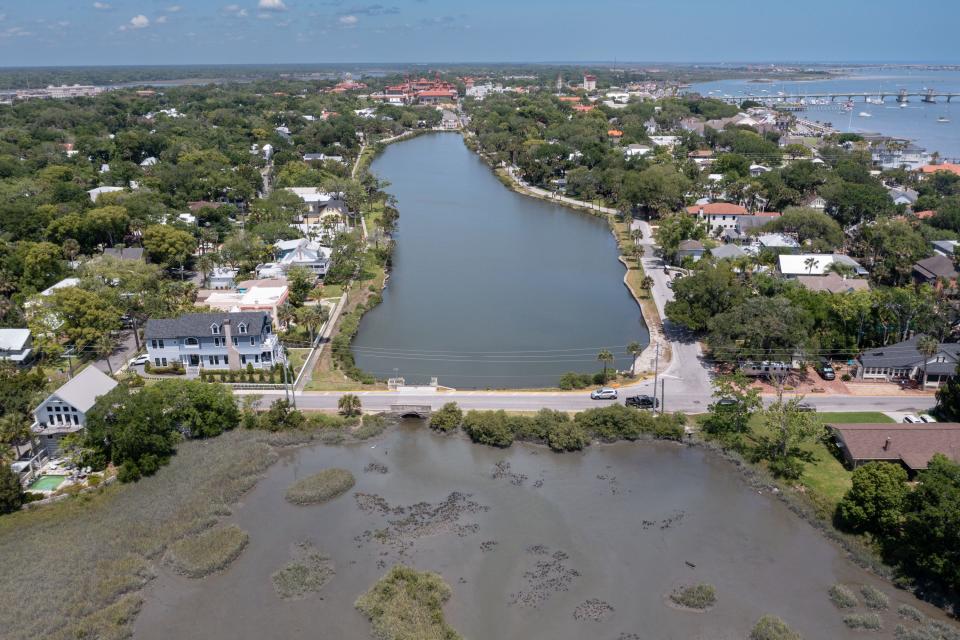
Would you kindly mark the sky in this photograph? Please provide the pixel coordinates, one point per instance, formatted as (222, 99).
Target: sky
(130, 32)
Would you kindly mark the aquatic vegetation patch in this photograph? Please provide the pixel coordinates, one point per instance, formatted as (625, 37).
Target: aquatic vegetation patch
(593, 610)
(551, 573)
(208, 552)
(408, 605)
(418, 520)
(320, 487)
(308, 573)
(874, 598)
(770, 627)
(867, 621)
(699, 597)
(843, 597)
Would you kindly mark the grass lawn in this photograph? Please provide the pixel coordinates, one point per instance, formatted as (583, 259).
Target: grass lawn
(332, 290)
(825, 478)
(297, 358)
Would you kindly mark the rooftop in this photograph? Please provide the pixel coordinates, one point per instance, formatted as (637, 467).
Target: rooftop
(818, 264)
(718, 208)
(199, 324)
(911, 444)
(85, 387)
(833, 283)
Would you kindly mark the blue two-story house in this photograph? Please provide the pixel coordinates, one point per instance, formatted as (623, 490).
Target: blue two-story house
(214, 341)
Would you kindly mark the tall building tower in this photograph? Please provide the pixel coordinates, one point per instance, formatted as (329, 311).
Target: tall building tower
(589, 82)
(559, 82)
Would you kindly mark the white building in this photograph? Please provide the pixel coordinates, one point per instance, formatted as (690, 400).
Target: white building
(636, 150)
(65, 410)
(815, 264)
(665, 141)
(222, 278)
(315, 198)
(296, 253)
(16, 345)
(96, 193)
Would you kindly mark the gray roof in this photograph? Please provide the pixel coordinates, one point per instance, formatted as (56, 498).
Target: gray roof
(833, 283)
(85, 387)
(905, 354)
(936, 267)
(691, 245)
(727, 251)
(127, 253)
(13, 339)
(198, 324)
(908, 194)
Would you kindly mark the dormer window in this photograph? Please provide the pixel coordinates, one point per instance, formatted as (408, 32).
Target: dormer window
(242, 328)
(191, 342)
(215, 329)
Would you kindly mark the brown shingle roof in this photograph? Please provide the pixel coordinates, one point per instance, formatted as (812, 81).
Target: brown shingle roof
(911, 444)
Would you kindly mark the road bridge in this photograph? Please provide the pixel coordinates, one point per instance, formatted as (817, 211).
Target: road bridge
(903, 95)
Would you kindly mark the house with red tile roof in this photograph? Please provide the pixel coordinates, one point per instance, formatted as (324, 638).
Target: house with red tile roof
(931, 169)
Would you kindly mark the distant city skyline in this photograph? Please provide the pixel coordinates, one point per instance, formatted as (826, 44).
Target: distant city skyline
(131, 32)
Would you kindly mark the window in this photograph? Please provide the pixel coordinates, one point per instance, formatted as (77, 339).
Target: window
(156, 361)
(241, 328)
(191, 342)
(243, 359)
(163, 362)
(235, 341)
(157, 344)
(215, 329)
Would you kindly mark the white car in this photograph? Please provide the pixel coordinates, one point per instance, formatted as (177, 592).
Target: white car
(140, 360)
(912, 419)
(605, 393)
(926, 417)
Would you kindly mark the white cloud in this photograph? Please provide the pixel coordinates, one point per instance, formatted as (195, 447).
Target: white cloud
(161, 20)
(271, 5)
(174, 8)
(235, 10)
(348, 21)
(139, 22)
(102, 6)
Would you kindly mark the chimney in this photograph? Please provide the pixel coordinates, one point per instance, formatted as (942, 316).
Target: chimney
(886, 445)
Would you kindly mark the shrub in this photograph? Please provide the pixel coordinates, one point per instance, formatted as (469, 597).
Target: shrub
(208, 552)
(408, 605)
(320, 487)
(447, 418)
(488, 427)
(910, 613)
(147, 367)
(249, 368)
(771, 627)
(11, 492)
(875, 499)
(128, 472)
(874, 598)
(370, 427)
(701, 596)
(842, 597)
(135, 380)
(572, 380)
(614, 422)
(567, 436)
(787, 468)
(869, 621)
(281, 416)
(846, 377)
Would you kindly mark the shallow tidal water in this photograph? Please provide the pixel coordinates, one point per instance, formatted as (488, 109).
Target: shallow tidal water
(533, 545)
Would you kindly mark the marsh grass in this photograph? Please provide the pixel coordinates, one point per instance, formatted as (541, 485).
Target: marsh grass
(874, 598)
(699, 597)
(309, 572)
(89, 555)
(320, 487)
(204, 553)
(867, 621)
(408, 605)
(771, 627)
(842, 597)
(926, 629)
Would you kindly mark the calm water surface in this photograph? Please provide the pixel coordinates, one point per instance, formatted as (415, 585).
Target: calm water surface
(490, 288)
(525, 548)
(918, 121)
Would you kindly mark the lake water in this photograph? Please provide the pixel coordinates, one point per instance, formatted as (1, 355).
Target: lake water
(917, 122)
(524, 538)
(491, 289)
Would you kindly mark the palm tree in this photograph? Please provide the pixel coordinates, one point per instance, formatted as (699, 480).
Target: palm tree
(285, 313)
(104, 347)
(634, 350)
(636, 235)
(928, 346)
(14, 429)
(312, 318)
(647, 283)
(349, 405)
(605, 356)
(810, 263)
(205, 265)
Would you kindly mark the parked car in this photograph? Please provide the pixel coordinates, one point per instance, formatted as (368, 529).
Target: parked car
(825, 369)
(912, 419)
(642, 402)
(727, 403)
(604, 393)
(926, 417)
(141, 359)
(806, 406)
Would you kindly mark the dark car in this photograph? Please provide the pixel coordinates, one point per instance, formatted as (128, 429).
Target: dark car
(825, 369)
(642, 402)
(805, 406)
(727, 403)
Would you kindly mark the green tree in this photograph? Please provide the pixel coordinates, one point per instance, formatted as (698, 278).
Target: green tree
(43, 265)
(488, 427)
(704, 294)
(874, 503)
(85, 317)
(349, 405)
(11, 493)
(674, 229)
(786, 428)
(311, 318)
(929, 547)
(813, 228)
(167, 245)
(759, 329)
(198, 409)
(928, 346)
(948, 398)
(447, 418)
(735, 402)
(300, 281)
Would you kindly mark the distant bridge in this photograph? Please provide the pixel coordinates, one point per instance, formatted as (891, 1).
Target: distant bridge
(411, 410)
(928, 96)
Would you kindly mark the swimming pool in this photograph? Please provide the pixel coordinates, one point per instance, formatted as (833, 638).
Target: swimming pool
(46, 483)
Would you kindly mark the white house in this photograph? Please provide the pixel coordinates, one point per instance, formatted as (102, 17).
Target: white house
(296, 253)
(149, 162)
(665, 141)
(16, 345)
(315, 198)
(230, 340)
(636, 150)
(222, 278)
(65, 410)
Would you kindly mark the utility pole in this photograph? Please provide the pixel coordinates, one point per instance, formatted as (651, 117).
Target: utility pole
(283, 376)
(69, 354)
(656, 367)
(663, 396)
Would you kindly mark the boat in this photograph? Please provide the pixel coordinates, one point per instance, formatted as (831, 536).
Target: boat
(943, 119)
(903, 105)
(864, 114)
(847, 106)
(877, 100)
